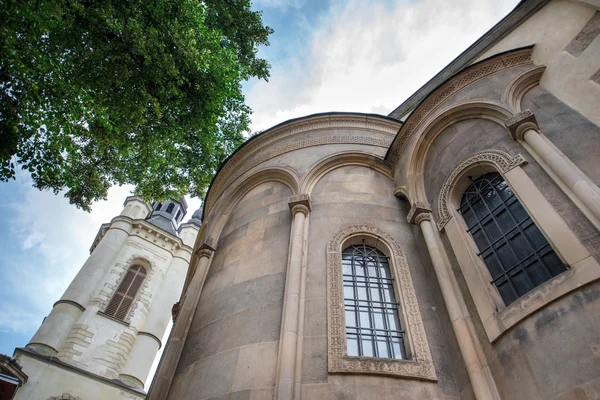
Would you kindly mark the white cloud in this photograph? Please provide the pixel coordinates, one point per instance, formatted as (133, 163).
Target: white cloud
(369, 57)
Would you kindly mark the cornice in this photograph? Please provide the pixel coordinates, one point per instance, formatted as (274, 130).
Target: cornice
(451, 87)
(147, 231)
(242, 160)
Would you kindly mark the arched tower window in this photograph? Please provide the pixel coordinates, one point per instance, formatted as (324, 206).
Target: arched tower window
(170, 208)
(516, 253)
(125, 294)
(372, 321)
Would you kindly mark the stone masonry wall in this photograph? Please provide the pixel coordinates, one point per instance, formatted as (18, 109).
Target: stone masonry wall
(234, 338)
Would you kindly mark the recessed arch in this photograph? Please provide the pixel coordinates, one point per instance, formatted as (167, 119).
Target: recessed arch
(519, 86)
(342, 159)
(220, 214)
(430, 130)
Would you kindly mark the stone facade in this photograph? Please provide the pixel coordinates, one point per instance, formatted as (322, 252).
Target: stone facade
(261, 315)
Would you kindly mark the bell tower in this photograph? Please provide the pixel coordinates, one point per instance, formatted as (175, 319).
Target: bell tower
(101, 337)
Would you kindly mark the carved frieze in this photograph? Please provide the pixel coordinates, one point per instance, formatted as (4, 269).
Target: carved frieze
(449, 89)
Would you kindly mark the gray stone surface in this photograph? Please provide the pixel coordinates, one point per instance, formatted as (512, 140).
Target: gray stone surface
(587, 35)
(239, 312)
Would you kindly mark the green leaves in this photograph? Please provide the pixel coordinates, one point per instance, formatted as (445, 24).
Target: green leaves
(130, 92)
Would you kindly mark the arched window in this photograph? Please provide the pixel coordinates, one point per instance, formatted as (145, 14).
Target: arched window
(170, 207)
(372, 321)
(516, 253)
(123, 298)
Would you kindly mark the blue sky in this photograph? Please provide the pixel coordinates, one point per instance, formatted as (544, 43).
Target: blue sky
(365, 56)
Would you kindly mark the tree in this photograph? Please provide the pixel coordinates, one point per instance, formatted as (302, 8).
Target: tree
(142, 92)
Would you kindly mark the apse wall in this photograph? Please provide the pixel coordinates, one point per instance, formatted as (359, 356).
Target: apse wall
(333, 165)
(233, 340)
(357, 195)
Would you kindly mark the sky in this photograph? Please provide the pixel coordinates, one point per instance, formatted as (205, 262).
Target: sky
(325, 55)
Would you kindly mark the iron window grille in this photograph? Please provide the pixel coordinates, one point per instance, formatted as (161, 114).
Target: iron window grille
(516, 253)
(372, 321)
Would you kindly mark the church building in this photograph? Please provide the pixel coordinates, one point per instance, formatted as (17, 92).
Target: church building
(449, 250)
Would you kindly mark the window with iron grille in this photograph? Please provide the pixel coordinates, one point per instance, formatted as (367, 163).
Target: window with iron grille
(372, 321)
(514, 250)
(121, 302)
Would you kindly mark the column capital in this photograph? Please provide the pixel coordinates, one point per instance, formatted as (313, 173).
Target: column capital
(521, 122)
(419, 211)
(300, 203)
(206, 247)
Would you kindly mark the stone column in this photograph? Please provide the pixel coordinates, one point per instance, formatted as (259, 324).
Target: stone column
(524, 128)
(181, 326)
(421, 216)
(300, 207)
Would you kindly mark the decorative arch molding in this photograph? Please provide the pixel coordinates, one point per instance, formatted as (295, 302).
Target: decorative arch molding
(421, 364)
(499, 160)
(247, 157)
(431, 129)
(451, 87)
(343, 159)
(520, 85)
(217, 218)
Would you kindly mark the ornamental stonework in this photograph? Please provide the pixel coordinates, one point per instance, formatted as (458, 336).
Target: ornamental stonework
(502, 161)
(448, 90)
(421, 364)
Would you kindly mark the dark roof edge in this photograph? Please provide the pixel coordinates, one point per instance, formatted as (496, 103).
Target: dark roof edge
(521, 12)
(289, 121)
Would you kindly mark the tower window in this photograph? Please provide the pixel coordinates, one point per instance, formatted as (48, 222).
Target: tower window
(178, 215)
(372, 321)
(123, 298)
(170, 208)
(516, 253)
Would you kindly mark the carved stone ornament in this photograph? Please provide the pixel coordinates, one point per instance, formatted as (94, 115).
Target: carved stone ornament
(300, 203)
(423, 216)
(519, 123)
(206, 247)
(503, 162)
(416, 211)
(449, 89)
(420, 366)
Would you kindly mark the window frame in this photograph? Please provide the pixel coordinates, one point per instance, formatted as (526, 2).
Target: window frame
(134, 298)
(582, 268)
(419, 364)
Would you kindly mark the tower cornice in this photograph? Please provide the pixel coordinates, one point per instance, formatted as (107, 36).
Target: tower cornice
(145, 230)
